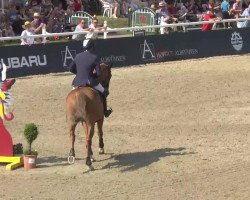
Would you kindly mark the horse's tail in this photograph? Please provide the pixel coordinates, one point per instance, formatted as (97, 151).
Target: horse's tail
(80, 103)
(76, 106)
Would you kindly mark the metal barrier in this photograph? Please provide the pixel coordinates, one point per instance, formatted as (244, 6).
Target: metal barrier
(80, 15)
(143, 17)
(124, 29)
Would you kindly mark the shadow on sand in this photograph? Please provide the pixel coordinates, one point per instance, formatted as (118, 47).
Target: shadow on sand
(52, 161)
(137, 160)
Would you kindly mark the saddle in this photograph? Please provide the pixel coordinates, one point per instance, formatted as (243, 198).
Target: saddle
(107, 110)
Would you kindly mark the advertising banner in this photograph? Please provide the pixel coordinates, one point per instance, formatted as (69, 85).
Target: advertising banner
(55, 57)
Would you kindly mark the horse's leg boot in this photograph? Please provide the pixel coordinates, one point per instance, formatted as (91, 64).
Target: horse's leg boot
(88, 161)
(107, 111)
(72, 152)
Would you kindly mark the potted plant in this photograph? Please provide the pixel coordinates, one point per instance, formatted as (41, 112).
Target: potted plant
(30, 156)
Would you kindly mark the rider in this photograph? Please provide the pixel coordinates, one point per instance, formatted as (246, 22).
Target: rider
(83, 66)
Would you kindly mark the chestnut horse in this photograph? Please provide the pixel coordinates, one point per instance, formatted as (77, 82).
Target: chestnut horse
(85, 105)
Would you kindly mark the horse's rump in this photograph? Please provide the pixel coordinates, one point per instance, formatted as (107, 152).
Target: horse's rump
(84, 104)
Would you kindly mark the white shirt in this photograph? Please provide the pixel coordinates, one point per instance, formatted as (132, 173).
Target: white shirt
(92, 34)
(77, 29)
(28, 40)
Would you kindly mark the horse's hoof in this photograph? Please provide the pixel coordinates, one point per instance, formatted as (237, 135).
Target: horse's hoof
(92, 159)
(88, 161)
(71, 160)
(101, 151)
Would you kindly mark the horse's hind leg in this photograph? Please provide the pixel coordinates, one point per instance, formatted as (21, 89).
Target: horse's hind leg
(71, 129)
(91, 152)
(100, 134)
(89, 134)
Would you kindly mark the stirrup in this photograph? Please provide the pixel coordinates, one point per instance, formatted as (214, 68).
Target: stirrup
(106, 92)
(108, 112)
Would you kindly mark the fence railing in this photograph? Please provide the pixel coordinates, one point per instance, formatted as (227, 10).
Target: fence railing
(109, 30)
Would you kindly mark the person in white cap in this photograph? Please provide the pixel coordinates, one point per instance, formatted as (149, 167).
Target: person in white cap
(27, 32)
(38, 23)
(39, 27)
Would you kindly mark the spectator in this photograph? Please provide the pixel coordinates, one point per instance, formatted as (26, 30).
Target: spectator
(14, 20)
(183, 10)
(217, 8)
(80, 27)
(172, 9)
(12, 14)
(58, 12)
(39, 27)
(204, 5)
(47, 5)
(124, 8)
(246, 14)
(153, 7)
(21, 15)
(27, 32)
(164, 12)
(245, 4)
(114, 4)
(77, 6)
(92, 27)
(192, 11)
(209, 17)
(47, 8)
(135, 4)
(37, 23)
(27, 15)
(70, 9)
(225, 12)
(167, 17)
(36, 5)
(7, 30)
(237, 7)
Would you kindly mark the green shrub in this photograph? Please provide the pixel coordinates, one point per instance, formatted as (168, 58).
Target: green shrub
(30, 133)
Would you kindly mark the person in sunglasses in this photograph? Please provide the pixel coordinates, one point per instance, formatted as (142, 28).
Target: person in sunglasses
(94, 27)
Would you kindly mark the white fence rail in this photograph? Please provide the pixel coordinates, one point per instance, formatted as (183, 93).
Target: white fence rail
(124, 29)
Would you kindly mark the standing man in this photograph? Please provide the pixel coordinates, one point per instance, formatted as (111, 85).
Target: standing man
(225, 11)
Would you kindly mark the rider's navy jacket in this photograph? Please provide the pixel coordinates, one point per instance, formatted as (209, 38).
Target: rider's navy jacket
(83, 66)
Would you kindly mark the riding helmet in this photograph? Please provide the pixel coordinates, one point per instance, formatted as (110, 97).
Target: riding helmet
(88, 43)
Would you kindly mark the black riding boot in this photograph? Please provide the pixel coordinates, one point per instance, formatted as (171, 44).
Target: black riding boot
(107, 111)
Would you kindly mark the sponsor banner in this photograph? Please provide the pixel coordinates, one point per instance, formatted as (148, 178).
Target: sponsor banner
(56, 57)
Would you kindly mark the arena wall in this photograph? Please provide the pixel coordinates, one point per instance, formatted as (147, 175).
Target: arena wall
(55, 57)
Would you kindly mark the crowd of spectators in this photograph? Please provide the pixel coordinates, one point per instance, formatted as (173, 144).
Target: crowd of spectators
(38, 16)
(202, 10)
